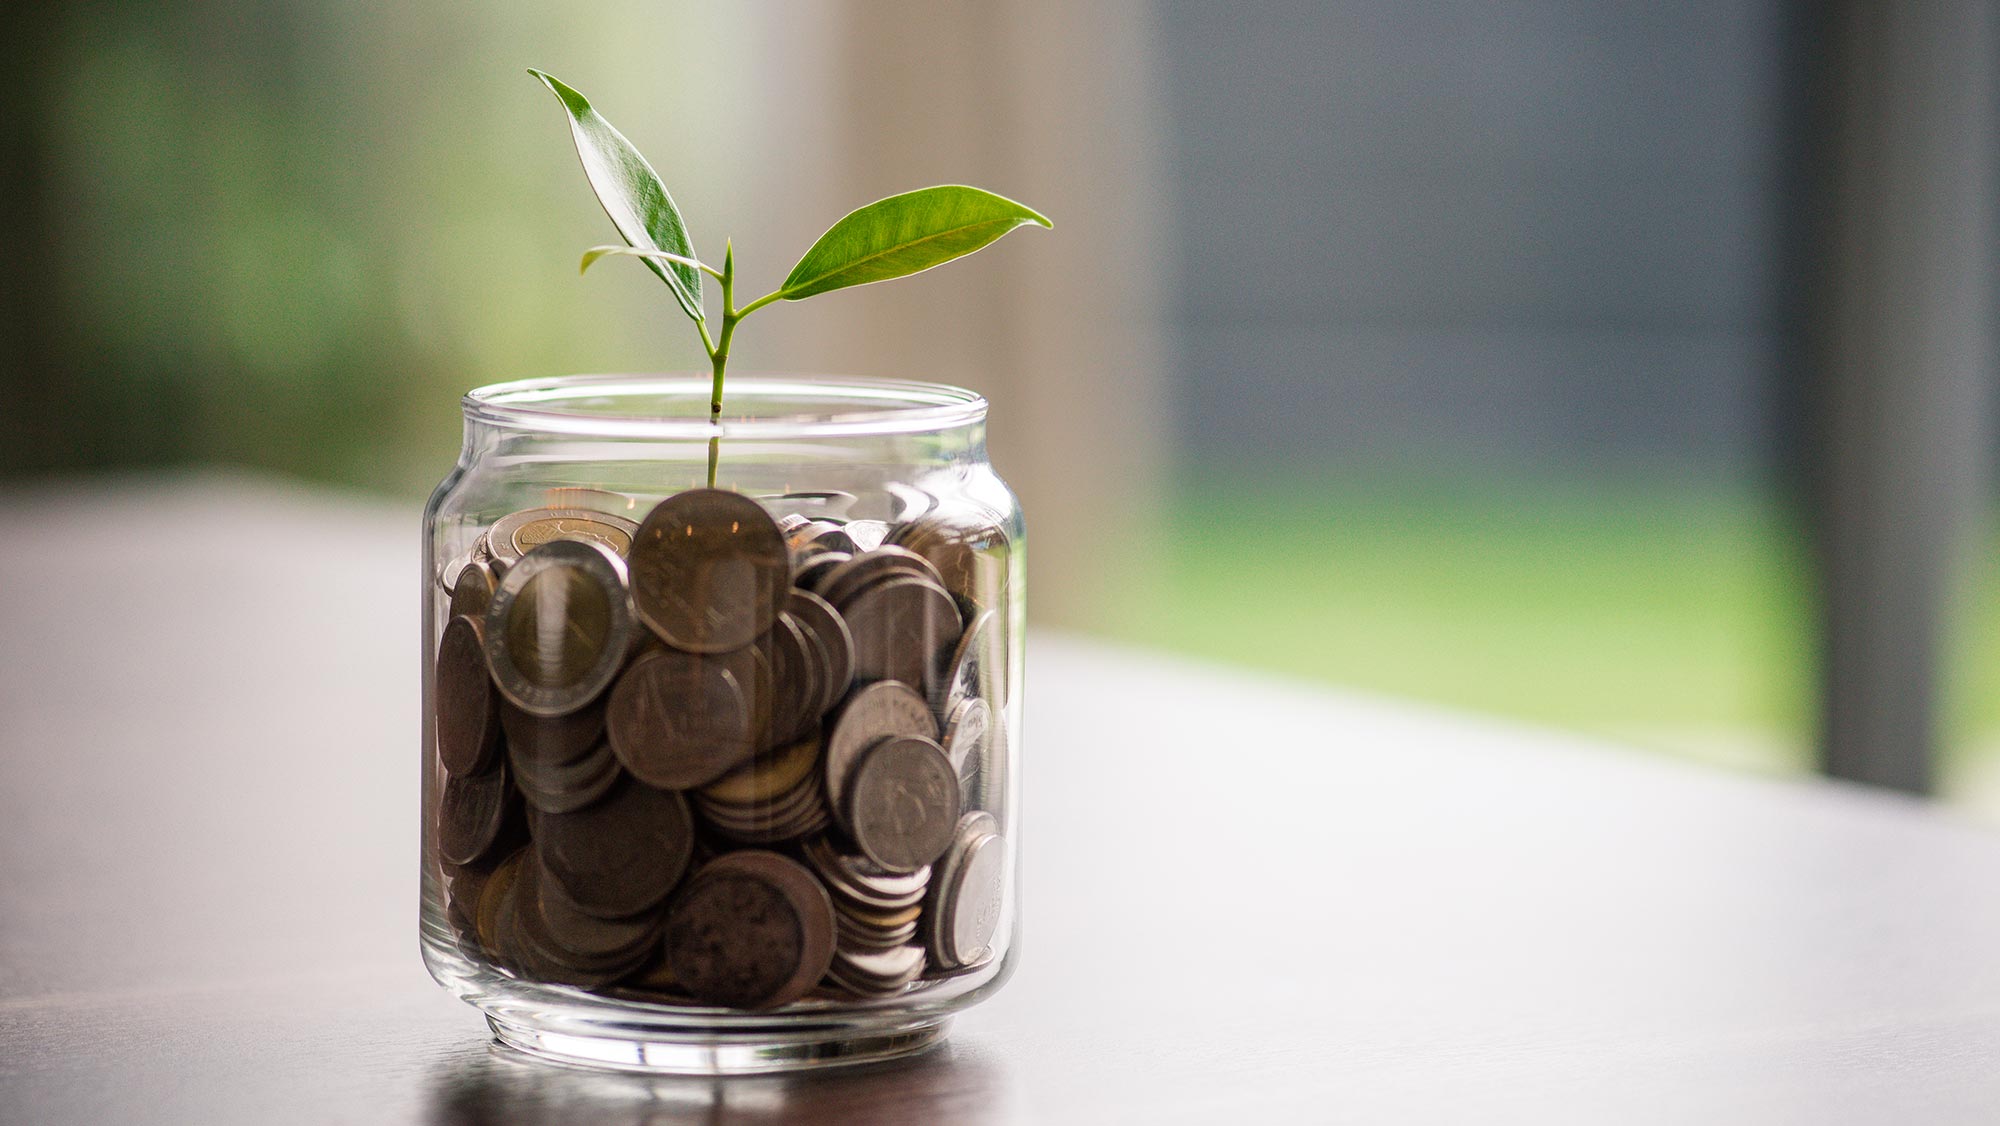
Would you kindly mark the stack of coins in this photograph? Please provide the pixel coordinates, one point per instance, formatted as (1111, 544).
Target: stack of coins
(723, 757)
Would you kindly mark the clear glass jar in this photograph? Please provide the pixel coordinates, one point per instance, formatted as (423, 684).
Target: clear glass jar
(721, 779)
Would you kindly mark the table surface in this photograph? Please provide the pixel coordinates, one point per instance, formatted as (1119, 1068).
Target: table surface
(1246, 900)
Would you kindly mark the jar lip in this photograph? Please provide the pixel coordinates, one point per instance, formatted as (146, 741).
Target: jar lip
(764, 405)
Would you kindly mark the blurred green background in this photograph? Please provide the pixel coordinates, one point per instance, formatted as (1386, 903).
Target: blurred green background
(1481, 406)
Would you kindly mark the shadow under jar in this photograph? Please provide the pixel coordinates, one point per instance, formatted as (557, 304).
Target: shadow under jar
(721, 779)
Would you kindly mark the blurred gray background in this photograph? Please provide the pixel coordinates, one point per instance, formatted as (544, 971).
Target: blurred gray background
(1535, 358)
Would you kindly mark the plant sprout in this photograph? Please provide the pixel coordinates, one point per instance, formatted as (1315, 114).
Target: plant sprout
(890, 238)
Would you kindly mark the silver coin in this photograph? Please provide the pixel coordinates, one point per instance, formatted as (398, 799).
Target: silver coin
(882, 710)
(903, 803)
(517, 533)
(559, 627)
(867, 534)
(873, 972)
(966, 674)
(963, 905)
(989, 780)
(966, 743)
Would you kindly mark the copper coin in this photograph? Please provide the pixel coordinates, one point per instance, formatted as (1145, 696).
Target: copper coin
(796, 676)
(904, 629)
(903, 803)
(563, 787)
(813, 567)
(569, 935)
(860, 571)
(877, 711)
(516, 534)
(969, 549)
(472, 590)
(492, 896)
(553, 740)
(827, 629)
(559, 627)
(678, 721)
(472, 811)
(620, 855)
(468, 721)
(767, 776)
(709, 570)
(752, 930)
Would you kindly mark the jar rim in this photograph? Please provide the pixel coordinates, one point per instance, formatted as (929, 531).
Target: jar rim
(633, 405)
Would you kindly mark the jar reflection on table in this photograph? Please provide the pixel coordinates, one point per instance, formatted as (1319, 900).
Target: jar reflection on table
(721, 777)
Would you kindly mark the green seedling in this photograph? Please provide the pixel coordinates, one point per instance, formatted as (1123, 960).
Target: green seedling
(890, 238)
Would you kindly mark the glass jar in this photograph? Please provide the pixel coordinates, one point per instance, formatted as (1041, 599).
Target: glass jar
(721, 778)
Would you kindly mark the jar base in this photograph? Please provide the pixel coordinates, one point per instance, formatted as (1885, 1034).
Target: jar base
(701, 1052)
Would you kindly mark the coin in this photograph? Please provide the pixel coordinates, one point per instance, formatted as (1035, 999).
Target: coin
(859, 883)
(768, 776)
(967, 672)
(677, 720)
(562, 787)
(472, 590)
(472, 811)
(813, 567)
(903, 628)
(752, 930)
(829, 631)
(559, 627)
(796, 676)
(843, 581)
(872, 973)
(553, 740)
(967, 546)
(468, 722)
(486, 917)
(867, 534)
(821, 534)
(621, 855)
(539, 952)
(516, 534)
(902, 803)
(878, 711)
(709, 570)
(965, 740)
(811, 505)
(584, 936)
(962, 909)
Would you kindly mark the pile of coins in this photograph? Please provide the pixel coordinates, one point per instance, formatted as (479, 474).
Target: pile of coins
(723, 757)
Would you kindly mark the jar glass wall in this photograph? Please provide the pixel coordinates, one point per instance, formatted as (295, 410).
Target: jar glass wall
(721, 778)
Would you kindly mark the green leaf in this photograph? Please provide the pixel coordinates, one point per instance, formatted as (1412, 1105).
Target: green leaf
(632, 195)
(903, 235)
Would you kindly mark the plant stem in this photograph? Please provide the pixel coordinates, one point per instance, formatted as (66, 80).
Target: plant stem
(718, 348)
(718, 355)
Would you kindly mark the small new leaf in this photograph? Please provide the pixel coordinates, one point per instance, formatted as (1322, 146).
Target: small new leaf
(591, 256)
(905, 234)
(632, 195)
